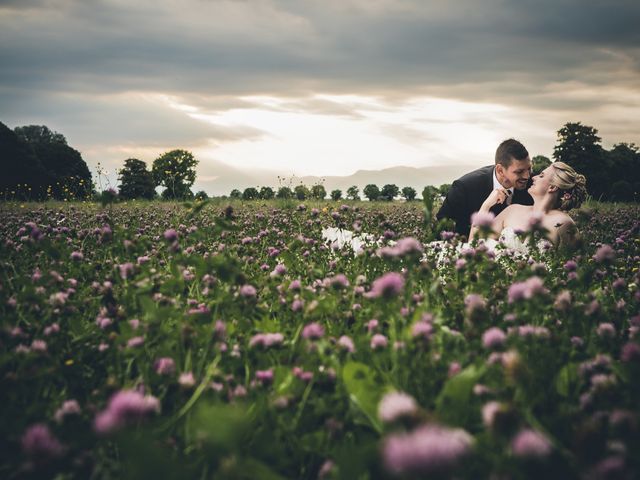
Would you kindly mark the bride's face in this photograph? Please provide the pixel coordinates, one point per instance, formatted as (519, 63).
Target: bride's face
(542, 181)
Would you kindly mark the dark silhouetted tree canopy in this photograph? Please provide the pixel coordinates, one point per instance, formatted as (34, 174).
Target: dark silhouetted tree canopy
(20, 167)
(579, 146)
(66, 174)
(135, 180)
(625, 167)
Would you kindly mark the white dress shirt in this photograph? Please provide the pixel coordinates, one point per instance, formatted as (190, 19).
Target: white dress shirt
(497, 184)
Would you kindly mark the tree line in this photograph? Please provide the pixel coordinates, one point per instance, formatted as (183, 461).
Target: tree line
(318, 192)
(38, 164)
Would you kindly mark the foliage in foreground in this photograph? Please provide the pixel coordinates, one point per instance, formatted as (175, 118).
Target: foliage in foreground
(156, 340)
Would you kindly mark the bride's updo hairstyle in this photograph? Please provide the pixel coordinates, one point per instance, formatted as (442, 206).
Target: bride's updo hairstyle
(572, 186)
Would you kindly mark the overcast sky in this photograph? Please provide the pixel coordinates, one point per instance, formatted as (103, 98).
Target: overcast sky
(318, 87)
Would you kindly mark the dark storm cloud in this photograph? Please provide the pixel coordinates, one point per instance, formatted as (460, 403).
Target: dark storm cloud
(64, 59)
(293, 47)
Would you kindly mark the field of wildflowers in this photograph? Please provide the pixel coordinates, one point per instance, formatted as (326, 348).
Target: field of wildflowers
(158, 340)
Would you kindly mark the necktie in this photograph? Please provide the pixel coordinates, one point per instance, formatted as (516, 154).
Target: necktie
(509, 196)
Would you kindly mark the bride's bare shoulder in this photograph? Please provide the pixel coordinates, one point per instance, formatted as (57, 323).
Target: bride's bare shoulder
(562, 220)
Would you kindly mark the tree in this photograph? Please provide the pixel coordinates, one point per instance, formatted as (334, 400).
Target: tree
(301, 192)
(22, 172)
(175, 170)
(409, 193)
(579, 146)
(284, 193)
(135, 180)
(235, 193)
(66, 174)
(318, 192)
(444, 189)
(353, 193)
(202, 196)
(622, 191)
(389, 192)
(266, 193)
(539, 163)
(33, 134)
(625, 165)
(250, 194)
(372, 192)
(336, 194)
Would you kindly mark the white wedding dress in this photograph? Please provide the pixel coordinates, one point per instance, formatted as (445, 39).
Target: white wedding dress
(508, 244)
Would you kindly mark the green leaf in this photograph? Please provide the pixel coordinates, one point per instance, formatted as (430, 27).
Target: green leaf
(249, 468)
(283, 381)
(221, 426)
(567, 379)
(452, 405)
(365, 390)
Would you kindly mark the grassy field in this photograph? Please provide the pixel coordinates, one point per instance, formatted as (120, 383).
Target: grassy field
(228, 340)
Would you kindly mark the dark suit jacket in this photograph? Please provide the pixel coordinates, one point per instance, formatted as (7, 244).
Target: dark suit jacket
(467, 195)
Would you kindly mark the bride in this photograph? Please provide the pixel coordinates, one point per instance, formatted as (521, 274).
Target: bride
(555, 190)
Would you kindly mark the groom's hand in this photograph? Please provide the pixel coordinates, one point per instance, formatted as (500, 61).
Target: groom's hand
(498, 195)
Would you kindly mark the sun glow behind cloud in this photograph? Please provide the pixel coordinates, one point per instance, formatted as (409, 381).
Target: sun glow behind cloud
(339, 134)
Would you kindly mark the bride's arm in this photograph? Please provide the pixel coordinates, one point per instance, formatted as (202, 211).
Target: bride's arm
(496, 196)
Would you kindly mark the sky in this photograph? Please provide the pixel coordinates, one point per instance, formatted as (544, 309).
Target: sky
(300, 87)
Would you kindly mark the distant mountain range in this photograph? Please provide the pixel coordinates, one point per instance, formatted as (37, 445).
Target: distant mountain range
(227, 178)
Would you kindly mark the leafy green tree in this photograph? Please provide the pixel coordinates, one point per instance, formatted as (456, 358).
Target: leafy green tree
(67, 175)
(235, 193)
(409, 193)
(444, 189)
(175, 170)
(179, 191)
(284, 193)
(336, 194)
(353, 193)
(539, 163)
(301, 192)
(579, 146)
(250, 194)
(318, 192)
(389, 192)
(202, 196)
(266, 193)
(135, 180)
(372, 192)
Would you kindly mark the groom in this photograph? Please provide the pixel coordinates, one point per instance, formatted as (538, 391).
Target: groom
(511, 172)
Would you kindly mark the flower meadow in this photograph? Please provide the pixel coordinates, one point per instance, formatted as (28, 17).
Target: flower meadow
(161, 340)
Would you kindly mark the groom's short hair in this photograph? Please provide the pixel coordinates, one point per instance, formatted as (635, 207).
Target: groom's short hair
(508, 150)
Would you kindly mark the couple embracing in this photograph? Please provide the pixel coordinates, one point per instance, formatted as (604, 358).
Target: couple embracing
(516, 198)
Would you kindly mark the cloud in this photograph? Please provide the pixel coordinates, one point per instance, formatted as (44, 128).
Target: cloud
(117, 76)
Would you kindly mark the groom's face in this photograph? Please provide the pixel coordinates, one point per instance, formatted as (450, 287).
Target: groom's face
(516, 175)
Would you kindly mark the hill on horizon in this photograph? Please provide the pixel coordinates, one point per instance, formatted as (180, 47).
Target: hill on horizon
(229, 178)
